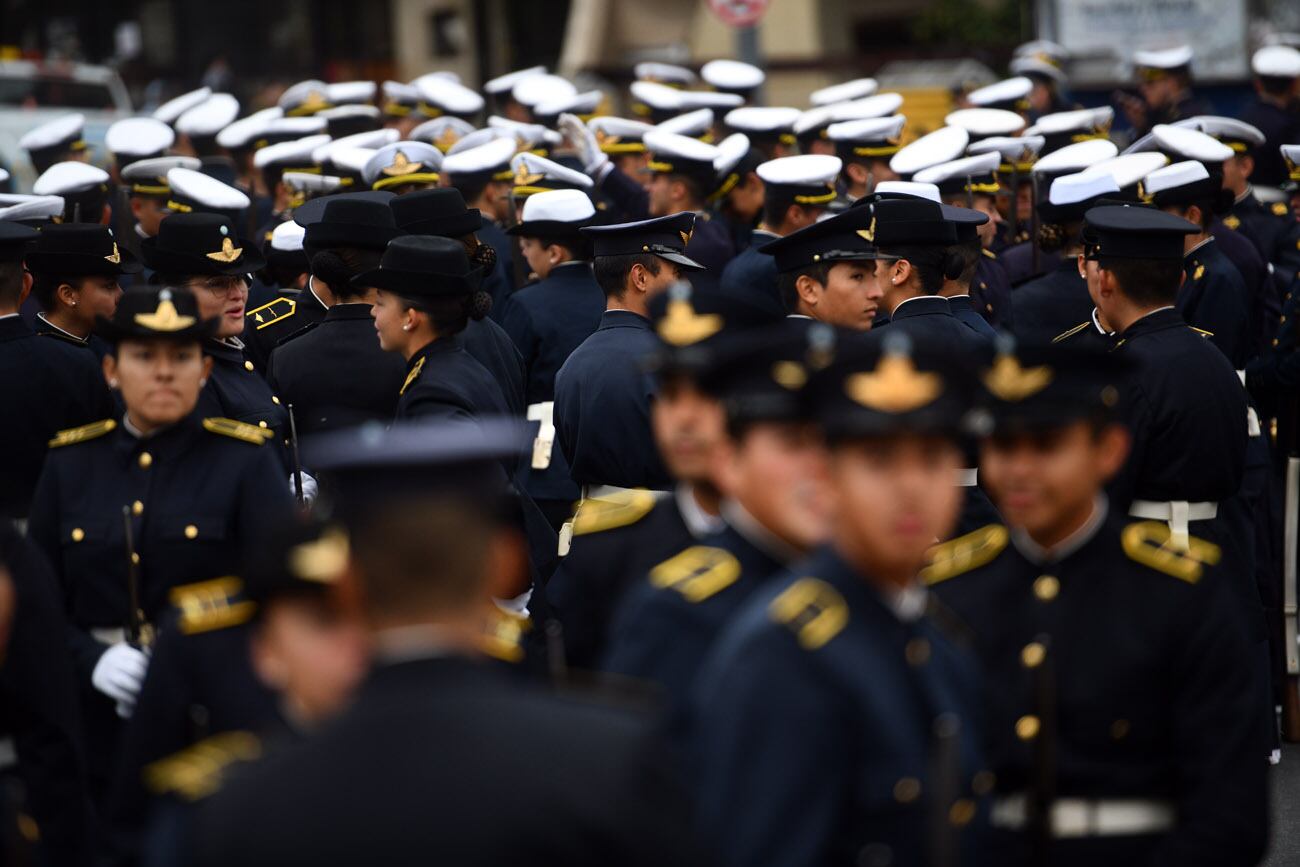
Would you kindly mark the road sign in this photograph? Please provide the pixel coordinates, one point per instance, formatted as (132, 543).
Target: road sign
(739, 13)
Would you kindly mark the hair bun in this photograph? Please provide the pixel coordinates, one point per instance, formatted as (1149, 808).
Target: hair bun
(1051, 237)
(953, 266)
(485, 256)
(479, 305)
(327, 266)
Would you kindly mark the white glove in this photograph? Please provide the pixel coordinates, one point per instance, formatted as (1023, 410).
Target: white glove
(309, 488)
(595, 162)
(119, 674)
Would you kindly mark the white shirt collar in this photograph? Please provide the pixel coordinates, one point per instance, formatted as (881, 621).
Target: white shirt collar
(909, 603)
(1036, 553)
(41, 316)
(1096, 323)
(699, 523)
(7, 315)
(1198, 246)
(740, 520)
(408, 643)
(141, 232)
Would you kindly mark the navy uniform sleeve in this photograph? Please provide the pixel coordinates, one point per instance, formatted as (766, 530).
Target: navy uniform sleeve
(518, 324)
(264, 498)
(1217, 742)
(770, 772)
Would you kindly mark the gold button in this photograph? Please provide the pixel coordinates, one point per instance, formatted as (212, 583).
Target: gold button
(982, 783)
(146, 460)
(135, 558)
(1119, 729)
(262, 424)
(917, 652)
(1046, 587)
(1032, 655)
(137, 507)
(248, 365)
(1027, 727)
(275, 400)
(1275, 341)
(78, 534)
(907, 790)
(961, 812)
(191, 531)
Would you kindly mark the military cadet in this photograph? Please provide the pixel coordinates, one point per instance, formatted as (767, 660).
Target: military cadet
(403, 167)
(47, 385)
(44, 777)
(972, 182)
(441, 132)
(738, 200)
(549, 319)
(1009, 94)
(441, 95)
(198, 128)
(484, 178)
(534, 174)
(658, 102)
(796, 193)
(1043, 63)
(623, 142)
(272, 161)
(1016, 202)
(1079, 622)
(201, 252)
(257, 662)
(83, 187)
(770, 128)
(75, 269)
(602, 397)
(1165, 88)
(442, 213)
(1052, 304)
(332, 371)
(196, 192)
(826, 271)
(427, 546)
(1272, 111)
(127, 509)
(1213, 298)
(173, 108)
(1064, 128)
(148, 191)
(400, 107)
(865, 147)
(1272, 228)
(945, 144)
(969, 225)
(287, 266)
(864, 713)
(55, 141)
(771, 477)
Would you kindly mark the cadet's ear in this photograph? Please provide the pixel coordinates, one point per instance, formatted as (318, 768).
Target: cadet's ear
(507, 565)
(809, 290)
(66, 294)
(28, 280)
(110, 369)
(1114, 442)
(857, 173)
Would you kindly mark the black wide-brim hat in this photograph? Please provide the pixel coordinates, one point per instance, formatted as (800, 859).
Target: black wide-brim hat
(79, 249)
(422, 266)
(437, 212)
(347, 221)
(156, 313)
(200, 244)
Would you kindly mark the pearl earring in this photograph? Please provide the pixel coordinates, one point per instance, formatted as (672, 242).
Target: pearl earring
(406, 327)
(112, 383)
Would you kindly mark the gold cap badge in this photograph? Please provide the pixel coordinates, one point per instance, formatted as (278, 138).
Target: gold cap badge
(116, 257)
(682, 326)
(228, 252)
(164, 318)
(895, 386)
(525, 178)
(322, 560)
(869, 233)
(401, 166)
(1008, 381)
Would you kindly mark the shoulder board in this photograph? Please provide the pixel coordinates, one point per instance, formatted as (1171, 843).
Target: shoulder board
(74, 435)
(609, 513)
(211, 605)
(503, 635)
(1073, 331)
(697, 573)
(989, 253)
(812, 609)
(272, 312)
(198, 770)
(249, 433)
(1147, 542)
(1279, 209)
(1232, 221)
(1201, 331)
(965, 553)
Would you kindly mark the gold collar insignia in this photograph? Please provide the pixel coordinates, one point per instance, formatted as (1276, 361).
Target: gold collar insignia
(401, 166)
(682, 326)
(116, 257)
(1008, 381)
(164, 318)
(895, 386)
(412, 376)
(228, 252)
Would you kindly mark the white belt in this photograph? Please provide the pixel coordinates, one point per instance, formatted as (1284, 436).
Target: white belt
(1076, 817)
(1252, 417)
(1177, 514)
(967, 478)
(108, 635)
(544, 442)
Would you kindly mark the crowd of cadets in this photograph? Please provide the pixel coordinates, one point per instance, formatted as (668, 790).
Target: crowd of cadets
(733, 484)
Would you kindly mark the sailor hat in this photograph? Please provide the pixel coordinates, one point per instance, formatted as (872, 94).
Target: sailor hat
(442, 132)
(401, 163)
(941, 146)
(170, 110)
(844, 91)
(136, 138)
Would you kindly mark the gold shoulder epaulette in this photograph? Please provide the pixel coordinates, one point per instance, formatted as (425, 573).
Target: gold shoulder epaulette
(503, 635)
(1073, 331)
(1147, 542)
(989, 253)
(74, 435)
(965, 553)
(812, 609)
(1280, 209)
(698, 572)
(210, 605)
(272, 312)
(249, 433)
(198, 770)
(608, 513)
(1201, 331)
